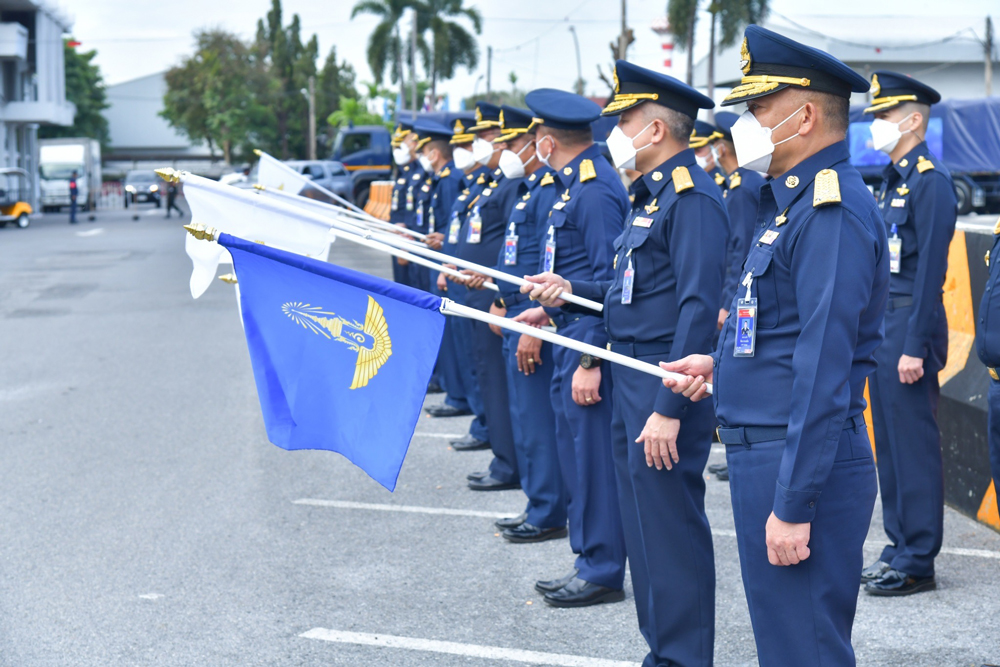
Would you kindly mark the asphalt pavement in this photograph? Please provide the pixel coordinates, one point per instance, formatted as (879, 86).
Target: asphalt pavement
(146, 520)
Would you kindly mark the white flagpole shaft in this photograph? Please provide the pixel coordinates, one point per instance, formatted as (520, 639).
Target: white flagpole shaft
(330, 209)
(449, 307)
(360, 240)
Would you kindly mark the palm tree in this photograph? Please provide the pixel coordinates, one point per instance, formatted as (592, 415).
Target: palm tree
(453, 45)
(386, 46)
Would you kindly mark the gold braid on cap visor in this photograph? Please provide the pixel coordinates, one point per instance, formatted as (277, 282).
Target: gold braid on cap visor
(509, 133)
(624, 101)
(882, 103)
(701, 142)
(755, 85)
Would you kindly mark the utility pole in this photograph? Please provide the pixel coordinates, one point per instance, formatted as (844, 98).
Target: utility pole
(413, 64)
(710, 87)
(988, 48)
(623, 39)
(312, 117)
(489, 71)
(578, 88)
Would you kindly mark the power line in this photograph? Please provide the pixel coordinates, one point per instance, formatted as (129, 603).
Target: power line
(936, 42)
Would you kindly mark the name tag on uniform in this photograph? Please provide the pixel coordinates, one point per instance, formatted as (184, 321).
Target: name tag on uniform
(559, 205)
(769, 237)
(521, 206)
(642, 222)
(898, 203)
(487, 192)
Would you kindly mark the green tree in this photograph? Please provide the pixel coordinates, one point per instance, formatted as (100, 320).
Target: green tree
(211, 95)
(334, 85)
(387, 47)
(453, 46)
(729, 16)
(85, 89)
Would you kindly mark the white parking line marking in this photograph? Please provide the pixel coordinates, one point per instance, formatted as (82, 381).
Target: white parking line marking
(468, 650)
(413, 509)
(91, 232)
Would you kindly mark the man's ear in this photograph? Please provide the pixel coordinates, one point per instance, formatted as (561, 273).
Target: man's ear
(810, 115)
(660, 131)
(916, 121)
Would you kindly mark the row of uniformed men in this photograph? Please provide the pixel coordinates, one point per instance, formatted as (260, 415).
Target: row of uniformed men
(807, 274)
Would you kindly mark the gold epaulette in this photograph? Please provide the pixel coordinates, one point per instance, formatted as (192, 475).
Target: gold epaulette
(547, 179)
(735, 180)
(587, 171)
(481, 179)
(682, 179)
(923, 164)
(719, 179)
(826, 189)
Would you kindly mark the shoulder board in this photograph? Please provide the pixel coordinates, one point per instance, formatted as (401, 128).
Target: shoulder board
(682, 179)
(547, 179)
(587, 171)
(826, 189)
(923, 164)
(719, 179)
(481, 179)
(445, 173)
(735, 180)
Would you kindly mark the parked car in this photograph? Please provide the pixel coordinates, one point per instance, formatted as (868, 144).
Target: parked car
(14, 192)
(326, 173)
(142, 186)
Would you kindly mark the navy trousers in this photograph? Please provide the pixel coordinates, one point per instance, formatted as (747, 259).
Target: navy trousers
(448, 374)
(667, 536)
(461, 339)
(994, 432)
(803, 614)
(583, 440)
(534, 426)
(908, 446)
(491, 372)
(400, 274)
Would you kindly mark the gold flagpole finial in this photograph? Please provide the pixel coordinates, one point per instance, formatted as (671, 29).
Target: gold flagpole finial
(258, 186)
(258, 152)
(169, 175)
(201, 232)
(229, 278)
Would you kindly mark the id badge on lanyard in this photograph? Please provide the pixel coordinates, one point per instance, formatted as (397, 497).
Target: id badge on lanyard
(409, 198)
(475, 227)
(420, 216)
(628, 280)
(550, 251)
(510, 246)
(454, 229)
(895, 250)
(746, 322)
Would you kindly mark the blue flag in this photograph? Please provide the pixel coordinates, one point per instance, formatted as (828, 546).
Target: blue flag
(341, 359)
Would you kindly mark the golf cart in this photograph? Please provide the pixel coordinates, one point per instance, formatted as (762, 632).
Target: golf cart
(13, 193)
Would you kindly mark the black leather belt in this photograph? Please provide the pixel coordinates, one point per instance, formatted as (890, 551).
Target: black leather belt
(750, 435)
(640, 349)
(899, 302)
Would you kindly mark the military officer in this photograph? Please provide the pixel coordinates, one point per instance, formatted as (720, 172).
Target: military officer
(917, 201)
(988, 349)
(703, 139)
(789, 372)
(661, 303)
(528, 361)
(404, 161)
(479, 241)
(405, 199)
(579, 245)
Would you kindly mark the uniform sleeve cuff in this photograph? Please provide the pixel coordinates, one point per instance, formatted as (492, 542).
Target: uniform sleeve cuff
(794, 506)
(671, 405)
(587, 290)
(915, 347)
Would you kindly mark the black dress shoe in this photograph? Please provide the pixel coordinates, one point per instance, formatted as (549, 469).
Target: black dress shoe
(722, 475)
(468, 444)
(434, 388)
(580, 593)
(445, 410)
(551, 585)
(511, 522)
(715, 468)
(526, 533)
(491, 484)
(875, 571)
(478, 475)
(895, 582)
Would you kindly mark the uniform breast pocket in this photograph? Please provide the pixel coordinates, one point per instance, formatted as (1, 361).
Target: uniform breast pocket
(764, 288)
(565, 231)
(900, 217)
(639, 252)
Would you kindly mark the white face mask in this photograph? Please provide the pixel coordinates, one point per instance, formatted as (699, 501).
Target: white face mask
(753, 142)
(701, 160)
(511, 165)
(463, 159)
(544, 159)
(886, 134)
(425, 162)
(482, 150)
(401, 155)
(623, 151)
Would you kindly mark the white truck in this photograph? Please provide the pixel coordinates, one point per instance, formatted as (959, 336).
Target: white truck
(57, 160)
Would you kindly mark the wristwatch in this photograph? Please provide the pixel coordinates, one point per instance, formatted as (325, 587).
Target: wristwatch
(498, 302)
(588, 361)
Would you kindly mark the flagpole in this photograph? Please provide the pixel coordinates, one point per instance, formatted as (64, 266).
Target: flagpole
(449, 307)
(261, 154)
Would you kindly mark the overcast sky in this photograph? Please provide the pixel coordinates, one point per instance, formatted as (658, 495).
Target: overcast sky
(529, 37)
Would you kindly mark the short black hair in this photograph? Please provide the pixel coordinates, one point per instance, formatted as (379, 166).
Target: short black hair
(442, 145)
(572, 137)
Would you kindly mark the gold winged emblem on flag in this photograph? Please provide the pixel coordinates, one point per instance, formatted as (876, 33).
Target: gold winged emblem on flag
(370, 340)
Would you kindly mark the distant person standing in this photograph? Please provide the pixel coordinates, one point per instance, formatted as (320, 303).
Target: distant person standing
(73, 192)
(172, 200)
